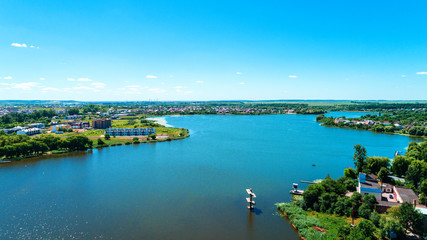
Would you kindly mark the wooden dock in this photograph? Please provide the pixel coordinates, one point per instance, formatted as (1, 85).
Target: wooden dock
(308, 182)
(1, 162)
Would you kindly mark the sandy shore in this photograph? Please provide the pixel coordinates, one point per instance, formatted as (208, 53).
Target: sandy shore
(160, 120)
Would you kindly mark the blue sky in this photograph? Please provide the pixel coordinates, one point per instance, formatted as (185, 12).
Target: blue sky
(213, 50)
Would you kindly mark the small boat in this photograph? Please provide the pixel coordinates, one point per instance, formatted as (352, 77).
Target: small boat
(313, 165)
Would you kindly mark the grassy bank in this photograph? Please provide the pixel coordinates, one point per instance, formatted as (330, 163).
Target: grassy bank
(312, 225)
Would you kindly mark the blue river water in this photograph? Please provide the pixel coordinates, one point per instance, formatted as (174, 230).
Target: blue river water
(188, 189)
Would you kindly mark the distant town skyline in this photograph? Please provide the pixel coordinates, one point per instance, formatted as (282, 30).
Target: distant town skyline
(212, 50)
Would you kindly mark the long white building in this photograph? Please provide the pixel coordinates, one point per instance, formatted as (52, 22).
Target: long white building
(130, 131)
(29, 131)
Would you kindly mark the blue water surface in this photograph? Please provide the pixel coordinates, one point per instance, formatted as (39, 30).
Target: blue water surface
(188, 189)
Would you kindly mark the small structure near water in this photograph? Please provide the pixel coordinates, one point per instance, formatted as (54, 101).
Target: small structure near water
(295, 190)
(249, 199)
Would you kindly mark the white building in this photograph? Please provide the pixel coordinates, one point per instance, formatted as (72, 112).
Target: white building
(29, 131)
(130, 131)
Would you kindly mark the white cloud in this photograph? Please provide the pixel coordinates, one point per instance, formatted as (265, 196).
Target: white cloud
(200, 82)
(71, 79)
(403, 75)
(84, 80)
(132, 86)
(242, 83)
(51, 89)
(150, 76)
(24, 86)
(7, 78)
(421, 73)
(292, 76)
(98, 85)
(42, 78)
(18, 45)
(238, 73)
(178, 87)
(6, 84)
(188, 92)
(83, 88)
(157, 90)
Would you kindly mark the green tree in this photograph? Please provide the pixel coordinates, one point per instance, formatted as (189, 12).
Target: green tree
(383, 174)
(364, 231)
(350, 173)
(100, 142)
(359, 157)
(410, 218)
(107, 136)
(73, 111)
(416, 171)
(312, 194)
(152, 136)
(389, 225)
(368, 206)
(78, 142)
(423, 190)
(400, 165)
(374, 164)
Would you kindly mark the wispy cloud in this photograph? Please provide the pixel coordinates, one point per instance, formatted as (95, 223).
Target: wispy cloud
(157, 90)
(239, 73)
(292, 76)
(242, 83)
(51, 89)
(150, 76)
(71, 79)
(7, 78)
(98, 85)
(82, 88)
(19, 45)
(133, 86)
(22, 45)
(200, 82)
(403, 75)
(421, 73)
(42, 78)
(84, 80)
(178, 87)
(24, 86)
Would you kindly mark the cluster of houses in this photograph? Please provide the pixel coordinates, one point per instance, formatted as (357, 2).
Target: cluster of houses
(7, 110)
(366, 122)
(388, 195)
(55, 127)
(30, 129)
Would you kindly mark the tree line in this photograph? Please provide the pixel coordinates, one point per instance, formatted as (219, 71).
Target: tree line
(14, 119)
(15, 146)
